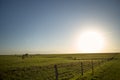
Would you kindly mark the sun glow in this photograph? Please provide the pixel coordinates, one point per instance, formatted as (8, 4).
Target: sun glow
(90, 41)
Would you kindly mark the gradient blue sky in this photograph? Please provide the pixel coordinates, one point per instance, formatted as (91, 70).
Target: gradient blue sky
(51, 25)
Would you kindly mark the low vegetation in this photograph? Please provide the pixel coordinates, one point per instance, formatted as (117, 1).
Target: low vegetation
(68, 67)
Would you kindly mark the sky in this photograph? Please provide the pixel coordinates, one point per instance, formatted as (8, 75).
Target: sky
(53, 25)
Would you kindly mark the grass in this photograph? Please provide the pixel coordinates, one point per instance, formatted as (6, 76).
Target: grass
(110, 71)
(41, 67)
(107, 71)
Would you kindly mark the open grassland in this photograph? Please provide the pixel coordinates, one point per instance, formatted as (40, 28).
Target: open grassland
(107, 71)
(9, 61)
(44, 67)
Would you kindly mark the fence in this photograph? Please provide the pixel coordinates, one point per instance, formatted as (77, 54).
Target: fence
(63, 71)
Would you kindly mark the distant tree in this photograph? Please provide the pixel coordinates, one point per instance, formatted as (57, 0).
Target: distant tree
(25, 55)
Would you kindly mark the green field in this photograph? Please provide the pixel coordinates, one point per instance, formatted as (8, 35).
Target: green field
(42, 67)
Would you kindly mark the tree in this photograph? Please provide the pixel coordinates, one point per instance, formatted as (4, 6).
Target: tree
(25, 55)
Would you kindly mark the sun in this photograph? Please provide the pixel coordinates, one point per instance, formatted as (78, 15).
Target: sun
(90, 42)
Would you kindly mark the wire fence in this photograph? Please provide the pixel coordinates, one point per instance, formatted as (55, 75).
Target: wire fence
(63, 71)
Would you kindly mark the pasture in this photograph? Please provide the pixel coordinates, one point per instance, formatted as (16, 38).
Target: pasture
(55, 66)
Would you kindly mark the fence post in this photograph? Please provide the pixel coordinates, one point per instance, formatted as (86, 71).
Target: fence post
(56, 72)
(92, 67)
(82, 68)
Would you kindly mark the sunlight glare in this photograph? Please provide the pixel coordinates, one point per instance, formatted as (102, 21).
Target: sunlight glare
(90, 41)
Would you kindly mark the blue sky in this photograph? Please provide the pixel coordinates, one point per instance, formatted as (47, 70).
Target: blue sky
(50, 25)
